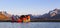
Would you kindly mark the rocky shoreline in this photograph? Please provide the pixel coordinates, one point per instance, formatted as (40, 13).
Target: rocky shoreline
(37, 20)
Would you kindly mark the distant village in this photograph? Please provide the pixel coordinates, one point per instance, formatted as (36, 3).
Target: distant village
(53, 15)
(5, 17)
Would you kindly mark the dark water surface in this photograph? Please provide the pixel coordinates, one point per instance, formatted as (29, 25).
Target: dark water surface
(30, 25)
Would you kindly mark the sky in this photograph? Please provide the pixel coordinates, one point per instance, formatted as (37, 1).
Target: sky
(23, 7)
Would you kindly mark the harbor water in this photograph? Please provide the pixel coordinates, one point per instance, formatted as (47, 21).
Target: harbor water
(30, 25)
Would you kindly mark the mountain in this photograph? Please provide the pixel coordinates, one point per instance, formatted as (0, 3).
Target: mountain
(54, 14)
(4, 16)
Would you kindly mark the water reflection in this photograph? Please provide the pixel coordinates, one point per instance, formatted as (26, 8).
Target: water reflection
(21, 25)
(30, 25)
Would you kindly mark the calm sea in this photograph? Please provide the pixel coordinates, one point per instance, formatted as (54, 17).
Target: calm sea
(30, 25)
